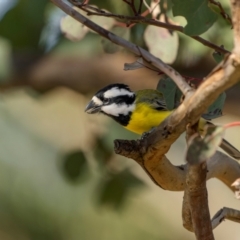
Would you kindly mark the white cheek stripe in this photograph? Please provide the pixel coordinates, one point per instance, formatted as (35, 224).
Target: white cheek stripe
(115, 110)
(97, 101)
(114, 92)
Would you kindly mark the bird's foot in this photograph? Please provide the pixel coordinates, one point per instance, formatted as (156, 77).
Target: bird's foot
(145, 134)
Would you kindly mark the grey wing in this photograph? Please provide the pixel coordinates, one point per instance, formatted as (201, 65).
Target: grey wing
(154, 98)
(159, 104)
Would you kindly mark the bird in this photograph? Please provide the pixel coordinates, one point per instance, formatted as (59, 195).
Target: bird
(139, 111)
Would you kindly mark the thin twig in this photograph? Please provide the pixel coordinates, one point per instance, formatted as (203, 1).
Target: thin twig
(130, 25)
(130, 20)
(132, 6)
(222, 11)
(225, 213)
(158, 142)
(177, 78)
(140, 7)
(219, 49)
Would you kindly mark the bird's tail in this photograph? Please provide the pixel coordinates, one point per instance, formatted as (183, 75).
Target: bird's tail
(230, 149)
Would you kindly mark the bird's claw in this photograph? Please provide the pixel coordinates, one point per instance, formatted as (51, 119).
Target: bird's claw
(145, 134)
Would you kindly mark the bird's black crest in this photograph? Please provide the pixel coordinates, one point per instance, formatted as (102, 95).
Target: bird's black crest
(100, 93)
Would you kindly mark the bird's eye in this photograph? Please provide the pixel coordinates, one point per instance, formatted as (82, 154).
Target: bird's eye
(106, 100)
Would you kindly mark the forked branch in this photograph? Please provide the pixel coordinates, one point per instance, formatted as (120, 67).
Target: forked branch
(177, 78)
(131, 20)
(150, 151)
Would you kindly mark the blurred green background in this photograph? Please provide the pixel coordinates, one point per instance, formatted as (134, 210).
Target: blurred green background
(59, 176)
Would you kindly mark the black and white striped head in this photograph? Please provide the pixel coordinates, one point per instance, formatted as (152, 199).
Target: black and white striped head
(115, 100)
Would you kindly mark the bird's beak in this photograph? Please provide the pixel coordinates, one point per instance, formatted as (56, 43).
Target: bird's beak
(92, 107)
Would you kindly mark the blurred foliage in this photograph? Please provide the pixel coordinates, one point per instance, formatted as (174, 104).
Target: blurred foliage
(201, 149)
(5, 53)
(75, 166)
(102, 151)
(197, 13)
(40, 202)
(114, 189)
(22, 25)
(41, 21)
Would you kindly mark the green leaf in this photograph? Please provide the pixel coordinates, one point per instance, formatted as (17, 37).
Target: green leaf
(169, 90)
(218, 57)
(201, 149)
(215, 110)
(114, 190)
(137, 35)
(26, 17)
(102, 151)
(197, 13)
(75, 166)
(5, 59)
(173, 95)
(214, 7)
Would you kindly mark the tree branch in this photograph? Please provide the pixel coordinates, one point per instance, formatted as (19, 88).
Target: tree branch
(235, 6)
(141, 19)
(150, 152)
(155, 146)
(224, 76)
(140, 7)
(222, 11)
(225, 213)
(177, 78)
(196, 195)
(171, 177)
(132, 6)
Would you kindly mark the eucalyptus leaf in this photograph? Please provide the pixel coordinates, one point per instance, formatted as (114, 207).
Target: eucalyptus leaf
(72, 29)
(218, 57)
(197, 13)
(102, 152)
(173, 95)
(162, 42)
(215, 110)
(169, 89)
(75, 166)
(21, 19)
(114, 190)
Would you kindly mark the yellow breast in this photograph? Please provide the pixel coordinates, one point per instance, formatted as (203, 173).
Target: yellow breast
(145, 118)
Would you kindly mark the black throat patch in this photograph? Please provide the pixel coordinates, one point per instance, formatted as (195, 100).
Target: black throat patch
(122, 119)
